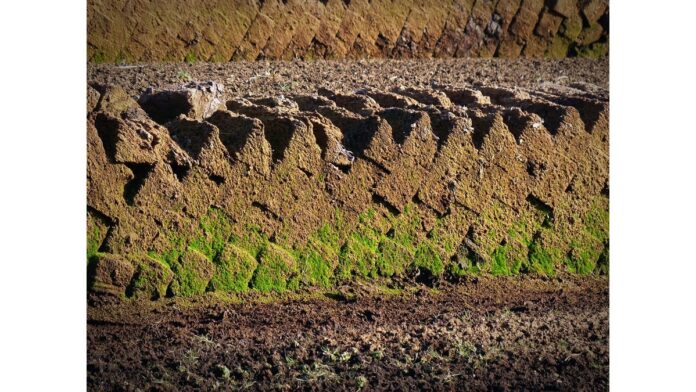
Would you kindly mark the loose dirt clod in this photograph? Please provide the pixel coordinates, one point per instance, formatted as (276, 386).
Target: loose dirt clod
(194, 100)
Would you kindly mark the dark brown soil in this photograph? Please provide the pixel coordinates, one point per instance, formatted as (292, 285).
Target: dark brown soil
(483, 334)
(296, 77)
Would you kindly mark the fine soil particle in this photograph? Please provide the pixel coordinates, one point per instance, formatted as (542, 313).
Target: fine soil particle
(520, 333)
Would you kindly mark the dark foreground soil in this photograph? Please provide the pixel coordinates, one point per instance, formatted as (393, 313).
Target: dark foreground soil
(297, 77)
(482, 334)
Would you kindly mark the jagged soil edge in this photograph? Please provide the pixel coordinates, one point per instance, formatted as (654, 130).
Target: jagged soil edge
(274, 29)
(433, 190)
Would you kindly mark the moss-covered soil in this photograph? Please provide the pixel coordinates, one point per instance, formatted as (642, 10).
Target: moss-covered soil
(193, 191)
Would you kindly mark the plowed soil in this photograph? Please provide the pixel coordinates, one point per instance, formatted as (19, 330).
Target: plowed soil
(299, 77)
(215, 30)
(483, 334)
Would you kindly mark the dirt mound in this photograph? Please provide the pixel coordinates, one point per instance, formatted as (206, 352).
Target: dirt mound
(277, 193)
(145, 31)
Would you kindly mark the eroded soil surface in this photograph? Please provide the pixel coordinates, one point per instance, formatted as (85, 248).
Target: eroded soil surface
(298, 77)
(519, 333)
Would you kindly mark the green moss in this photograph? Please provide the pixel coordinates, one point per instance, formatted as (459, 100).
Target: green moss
(519, 243)
(93, 243)
(443, 238)
(571, 27)
(170, 256)
(405, 227)
(233, 270)
(492, 227)
(151, 279)
(393, 258)
(370, 253)
(97, 230)
(190, 58)
(597, 220)
(596, 50)
(175, 246)
(461, 265)
(92, 250)
(224, 257)
(602, 267)
(427, 259)
(587, 247)
(504, 237)
(367, 217)
(216, 229)
(95, 236)
(277, 270)
(582, 259)
(318, 259)
(99, 58)
(314, 269)
(541, 260)
(456, 270)
(250, 239)
(294, 283)
(558, 48)
(499, 261)
(359, 255)
(329, 233)
(192, 273)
